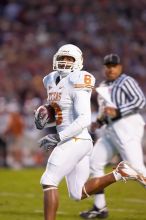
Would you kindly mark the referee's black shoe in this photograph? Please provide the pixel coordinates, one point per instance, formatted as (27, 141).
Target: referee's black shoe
(95, 213)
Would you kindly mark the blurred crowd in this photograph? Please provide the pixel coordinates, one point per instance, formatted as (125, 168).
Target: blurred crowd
(30, 34)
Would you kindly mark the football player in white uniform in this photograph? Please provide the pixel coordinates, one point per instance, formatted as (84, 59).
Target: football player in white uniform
(69, 90)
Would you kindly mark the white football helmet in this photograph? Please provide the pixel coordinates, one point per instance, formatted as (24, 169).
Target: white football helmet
(68, 66)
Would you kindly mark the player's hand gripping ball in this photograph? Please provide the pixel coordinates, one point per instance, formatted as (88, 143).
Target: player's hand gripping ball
(44, 115)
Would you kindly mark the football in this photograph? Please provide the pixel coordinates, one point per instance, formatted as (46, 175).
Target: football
(44, 115)
(51, 114)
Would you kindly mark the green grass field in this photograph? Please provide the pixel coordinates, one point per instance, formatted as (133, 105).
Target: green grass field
(21, 198)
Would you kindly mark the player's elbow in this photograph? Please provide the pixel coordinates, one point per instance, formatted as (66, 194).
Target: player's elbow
(140, 103)
(143, 103)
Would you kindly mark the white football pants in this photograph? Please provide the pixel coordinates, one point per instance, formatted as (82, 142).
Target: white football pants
(70, 160)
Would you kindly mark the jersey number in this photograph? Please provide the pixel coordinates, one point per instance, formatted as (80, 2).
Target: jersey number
(87, 79)
(58, 113)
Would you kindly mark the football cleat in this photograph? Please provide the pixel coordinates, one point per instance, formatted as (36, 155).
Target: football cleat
(127, 172)
(95, 213)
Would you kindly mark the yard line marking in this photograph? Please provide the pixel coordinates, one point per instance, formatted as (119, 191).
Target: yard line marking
(124, 210)
(59, 212)
(29, 195)
(38, 211)
(133, 200)
(115, 210)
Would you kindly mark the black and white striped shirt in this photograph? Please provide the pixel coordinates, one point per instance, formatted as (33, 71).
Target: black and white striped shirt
(126, 95)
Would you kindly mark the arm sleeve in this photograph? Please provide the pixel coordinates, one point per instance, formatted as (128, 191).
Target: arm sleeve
(135, 95)
(45, 81)
(81, 99)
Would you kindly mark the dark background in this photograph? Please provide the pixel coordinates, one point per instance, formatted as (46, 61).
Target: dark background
(30, 33)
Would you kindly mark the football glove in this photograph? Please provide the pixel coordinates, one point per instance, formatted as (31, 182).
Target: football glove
(49, 141)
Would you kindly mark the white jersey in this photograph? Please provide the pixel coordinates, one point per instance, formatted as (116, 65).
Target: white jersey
(71, 100)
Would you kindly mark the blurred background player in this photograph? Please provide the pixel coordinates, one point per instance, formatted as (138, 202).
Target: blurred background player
(120, 101)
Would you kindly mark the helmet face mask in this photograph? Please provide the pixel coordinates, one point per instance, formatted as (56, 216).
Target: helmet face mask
(74, 61)
(64, 63)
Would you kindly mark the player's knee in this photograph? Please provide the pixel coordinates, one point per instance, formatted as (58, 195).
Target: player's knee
(49, 188)
(48, 180)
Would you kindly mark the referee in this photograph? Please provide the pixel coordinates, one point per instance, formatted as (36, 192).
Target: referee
(120, 101)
